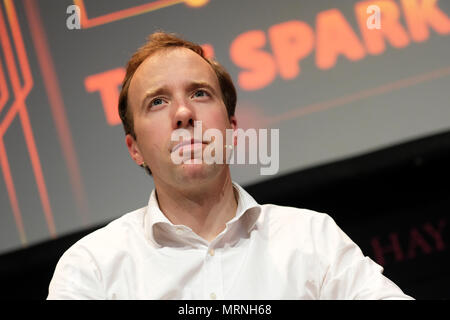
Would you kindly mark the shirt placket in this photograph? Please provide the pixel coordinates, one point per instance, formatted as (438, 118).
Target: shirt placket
(213, 281)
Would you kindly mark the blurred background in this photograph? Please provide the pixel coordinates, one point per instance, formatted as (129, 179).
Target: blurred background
(360, 95)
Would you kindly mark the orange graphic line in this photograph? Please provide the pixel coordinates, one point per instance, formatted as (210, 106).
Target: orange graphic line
(20, 96)
(19, 93)
(4, 94)
(9, 117)
(34, 156)
(12, 193)
(321, 106)
(57, 105)
(121, 14)
(20, 47)
(8, 51)
(3, 125)
(26, 125)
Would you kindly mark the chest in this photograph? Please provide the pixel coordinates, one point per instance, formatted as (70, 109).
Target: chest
(249, 270)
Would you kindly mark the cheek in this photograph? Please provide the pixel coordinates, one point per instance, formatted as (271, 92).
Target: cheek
(217, 118)
(149, 135)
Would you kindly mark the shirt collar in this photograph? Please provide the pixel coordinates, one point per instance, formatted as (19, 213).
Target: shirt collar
(247, 214)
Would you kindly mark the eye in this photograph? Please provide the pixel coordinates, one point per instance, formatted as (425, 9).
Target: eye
(201, 93)
(156, 102)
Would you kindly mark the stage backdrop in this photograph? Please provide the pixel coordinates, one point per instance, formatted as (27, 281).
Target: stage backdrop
(334, 77)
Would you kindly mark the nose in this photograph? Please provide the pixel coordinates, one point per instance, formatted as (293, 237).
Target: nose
(184, 116)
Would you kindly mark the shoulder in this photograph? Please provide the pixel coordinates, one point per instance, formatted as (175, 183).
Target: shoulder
(84, 270)
(117, 236)
(316, 230)
(291, 217)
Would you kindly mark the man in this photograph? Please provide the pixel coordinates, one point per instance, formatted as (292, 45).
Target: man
(201, 235)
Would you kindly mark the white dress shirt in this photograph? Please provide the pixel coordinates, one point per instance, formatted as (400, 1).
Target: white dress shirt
(265, 252)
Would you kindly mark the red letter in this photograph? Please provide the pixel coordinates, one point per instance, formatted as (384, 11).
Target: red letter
(418, 17)
(291, 41)
(391, 29)
(416, 240)
(379, 251)
(245, 53)
(335, 36)
(436, 234)
(107, 83)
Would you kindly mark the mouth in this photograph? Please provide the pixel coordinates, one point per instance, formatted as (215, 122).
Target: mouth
(188, 144)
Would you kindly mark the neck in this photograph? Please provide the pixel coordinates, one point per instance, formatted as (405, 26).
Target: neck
(205, 208)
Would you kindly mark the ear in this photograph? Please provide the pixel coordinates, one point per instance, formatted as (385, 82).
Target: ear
(133, 149)
(233, 122)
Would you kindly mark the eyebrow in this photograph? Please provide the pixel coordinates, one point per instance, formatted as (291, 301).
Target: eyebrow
(152, 93)
(163, 90)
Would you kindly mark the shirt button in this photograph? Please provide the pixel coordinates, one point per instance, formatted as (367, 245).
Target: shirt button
(212, 296)
(211, 252)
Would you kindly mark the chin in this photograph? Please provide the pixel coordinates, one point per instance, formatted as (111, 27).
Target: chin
(197, 171)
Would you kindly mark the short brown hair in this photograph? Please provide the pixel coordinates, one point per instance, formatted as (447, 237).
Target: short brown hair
(160, 41)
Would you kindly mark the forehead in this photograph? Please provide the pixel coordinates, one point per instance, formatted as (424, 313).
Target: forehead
(170, 67)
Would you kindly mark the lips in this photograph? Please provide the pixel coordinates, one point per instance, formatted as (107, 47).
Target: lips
(186, 143)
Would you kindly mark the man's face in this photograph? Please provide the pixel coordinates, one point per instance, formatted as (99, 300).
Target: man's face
(170, 90)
